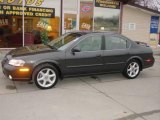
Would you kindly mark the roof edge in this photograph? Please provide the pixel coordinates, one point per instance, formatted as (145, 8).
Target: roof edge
(144, 8)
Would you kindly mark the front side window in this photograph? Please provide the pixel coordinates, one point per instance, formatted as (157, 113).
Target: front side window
(114, 42)
(92, 43)
(64, 41)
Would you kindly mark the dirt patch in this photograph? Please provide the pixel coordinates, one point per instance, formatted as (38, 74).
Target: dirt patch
(10, 87)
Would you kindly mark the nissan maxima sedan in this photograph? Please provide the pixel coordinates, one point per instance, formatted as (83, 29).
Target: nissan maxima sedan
(76, 54)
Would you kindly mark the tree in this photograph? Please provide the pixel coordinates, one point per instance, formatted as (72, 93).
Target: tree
(152, 4)
(147, 3)
(158, 2)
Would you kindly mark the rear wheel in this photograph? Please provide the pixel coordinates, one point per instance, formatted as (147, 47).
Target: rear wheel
(45, 76)
(132, 69)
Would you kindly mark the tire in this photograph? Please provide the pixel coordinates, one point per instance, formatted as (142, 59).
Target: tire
(45, 76)
(132, 69)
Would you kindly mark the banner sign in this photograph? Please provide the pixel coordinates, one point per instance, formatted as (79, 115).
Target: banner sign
(20, 2)
(29, 11)
(107, 4)
(154, 24)
(86, 15)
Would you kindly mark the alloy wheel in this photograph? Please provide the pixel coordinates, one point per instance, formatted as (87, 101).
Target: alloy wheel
(46, 77)
(133, 69)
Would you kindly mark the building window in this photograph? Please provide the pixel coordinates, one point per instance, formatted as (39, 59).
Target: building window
(44, 26)
(106, 16)
(40, 24)
(70, 15)
(132, 26)
(39, 21)
(10, 31)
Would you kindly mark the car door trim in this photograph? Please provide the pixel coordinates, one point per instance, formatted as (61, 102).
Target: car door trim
(114, 63)
(84, 65)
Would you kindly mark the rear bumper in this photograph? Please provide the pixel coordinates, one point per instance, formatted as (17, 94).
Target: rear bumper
(148, 63)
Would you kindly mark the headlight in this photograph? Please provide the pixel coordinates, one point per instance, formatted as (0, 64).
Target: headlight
(15, 62)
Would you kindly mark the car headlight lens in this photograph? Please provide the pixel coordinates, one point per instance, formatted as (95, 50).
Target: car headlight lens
(15, 62)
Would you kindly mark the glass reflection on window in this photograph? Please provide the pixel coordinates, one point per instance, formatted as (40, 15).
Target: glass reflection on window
(106, 19)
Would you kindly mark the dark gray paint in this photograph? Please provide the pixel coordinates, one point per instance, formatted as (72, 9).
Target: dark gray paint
(79, 63)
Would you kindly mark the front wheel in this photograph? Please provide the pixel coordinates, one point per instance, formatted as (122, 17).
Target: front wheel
(132, 69)
(45, 76)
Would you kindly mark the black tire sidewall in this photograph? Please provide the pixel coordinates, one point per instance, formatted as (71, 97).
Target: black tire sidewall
(38, 69)
(125, 70)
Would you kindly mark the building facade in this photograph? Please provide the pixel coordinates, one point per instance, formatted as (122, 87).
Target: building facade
(141, 24)
(39, 21)
(28, 22)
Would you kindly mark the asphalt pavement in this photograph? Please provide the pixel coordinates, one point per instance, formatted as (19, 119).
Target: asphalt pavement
(101, 97)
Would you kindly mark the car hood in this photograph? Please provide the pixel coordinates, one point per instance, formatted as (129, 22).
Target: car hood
(27, 50)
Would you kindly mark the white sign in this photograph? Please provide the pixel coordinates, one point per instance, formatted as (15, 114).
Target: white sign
(42, 24)
(86, 26)
(3, 22)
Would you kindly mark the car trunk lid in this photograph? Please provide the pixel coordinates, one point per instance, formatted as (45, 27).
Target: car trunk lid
(142, 43)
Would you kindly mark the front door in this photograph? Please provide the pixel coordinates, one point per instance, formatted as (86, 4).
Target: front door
(88, 59)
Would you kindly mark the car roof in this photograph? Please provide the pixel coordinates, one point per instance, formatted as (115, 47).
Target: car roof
(93, 32)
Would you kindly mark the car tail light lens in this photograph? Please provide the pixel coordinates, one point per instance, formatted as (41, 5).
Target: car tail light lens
(149, 60)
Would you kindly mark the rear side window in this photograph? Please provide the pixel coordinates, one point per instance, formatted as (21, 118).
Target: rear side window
(115, 43)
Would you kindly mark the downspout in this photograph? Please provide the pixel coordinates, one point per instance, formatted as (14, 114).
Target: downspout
(121, 18)
(61, 17)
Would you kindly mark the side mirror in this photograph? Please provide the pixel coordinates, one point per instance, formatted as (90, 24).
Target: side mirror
(75, 50)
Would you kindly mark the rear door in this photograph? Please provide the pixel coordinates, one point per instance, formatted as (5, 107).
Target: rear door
(116, 53)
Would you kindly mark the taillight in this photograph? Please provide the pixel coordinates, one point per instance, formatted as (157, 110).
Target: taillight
(149, 60)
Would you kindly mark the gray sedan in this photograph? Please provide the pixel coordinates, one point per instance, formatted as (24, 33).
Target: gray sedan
(76, 54)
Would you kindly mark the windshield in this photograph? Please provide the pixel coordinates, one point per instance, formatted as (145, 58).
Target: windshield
(64, 41)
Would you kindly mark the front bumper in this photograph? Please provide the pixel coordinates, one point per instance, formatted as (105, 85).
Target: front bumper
(13, 72)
